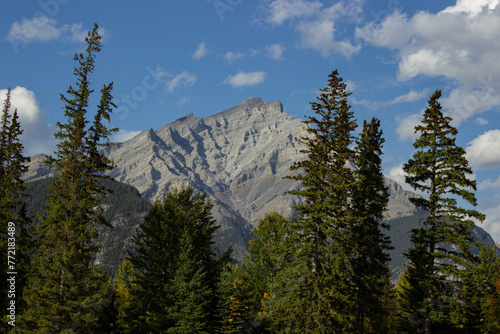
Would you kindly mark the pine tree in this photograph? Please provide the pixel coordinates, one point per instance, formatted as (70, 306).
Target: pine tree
(476, 292)
(65, 291)
(441, 248)
(315, 288)
(176, 264)
(16, 240)
(370, 261)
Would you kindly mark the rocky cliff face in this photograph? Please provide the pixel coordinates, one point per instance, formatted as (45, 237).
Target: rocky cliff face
(238, 156)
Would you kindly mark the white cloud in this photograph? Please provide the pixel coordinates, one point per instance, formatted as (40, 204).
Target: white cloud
(184, 78)
(200, 52)
(38, 135)
(278, 11)
(397, 174)
(489, 184)
(124, 135)
(315, 23)
(275, 51)
(492, 222)
(37, 29)
(406, 126)
(319, 35)
(463, 103)
(185, 100)
(245, 79)
(484, 151)
(472, 7)
(230, 57)
(458, 42)
(411, 96)
(43, 29)
(371, 105)
(481, 121)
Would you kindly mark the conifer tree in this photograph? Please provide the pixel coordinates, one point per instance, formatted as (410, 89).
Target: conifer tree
(315, 288)
(15, 240)
(370, 260)
(66, 292)
(252, 280)
(178, 272)
(441, 248)
(476, 292)
(128, 308)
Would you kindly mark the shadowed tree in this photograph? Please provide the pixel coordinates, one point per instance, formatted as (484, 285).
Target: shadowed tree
(66, 292)
(177, 270)
(15, 242)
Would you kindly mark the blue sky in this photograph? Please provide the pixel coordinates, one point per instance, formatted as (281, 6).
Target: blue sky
(171, 58)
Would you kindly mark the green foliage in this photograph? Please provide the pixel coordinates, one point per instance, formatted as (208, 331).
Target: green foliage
(477, 293)
(370, 260)
(252, 282)
(337, 276)
(65, 292)
(439, 169)
(177, 271)
(123, 207)
(15, 240)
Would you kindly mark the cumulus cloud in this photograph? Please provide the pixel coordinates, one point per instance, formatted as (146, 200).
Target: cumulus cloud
(182, 79)
(38, 135)
(275, 51)
(319, 35)
(314, 23)
(43, 29)
(245, 79)
(455, 43)
(124, 135)
(484, 151)
(200, 52)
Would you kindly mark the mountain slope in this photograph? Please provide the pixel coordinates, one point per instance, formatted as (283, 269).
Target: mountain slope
(238, 156)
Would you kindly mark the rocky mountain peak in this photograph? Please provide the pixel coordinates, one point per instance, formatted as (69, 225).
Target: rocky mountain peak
(238, 156)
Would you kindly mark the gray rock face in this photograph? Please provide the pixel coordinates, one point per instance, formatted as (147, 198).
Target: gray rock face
(238, 156)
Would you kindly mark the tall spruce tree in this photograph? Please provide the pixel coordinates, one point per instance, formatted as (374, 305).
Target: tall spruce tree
(312, 295)
(177, 271)
(370, 260)
(442, 246)
(15, 242)
(66, 292)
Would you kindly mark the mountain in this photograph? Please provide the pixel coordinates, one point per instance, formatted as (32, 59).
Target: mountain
(238, 157)
(123, 208)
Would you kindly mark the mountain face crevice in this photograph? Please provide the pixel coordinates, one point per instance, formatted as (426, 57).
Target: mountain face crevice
(238, 157)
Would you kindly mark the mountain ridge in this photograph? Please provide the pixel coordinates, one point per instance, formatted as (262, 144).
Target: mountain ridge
(238, 156)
